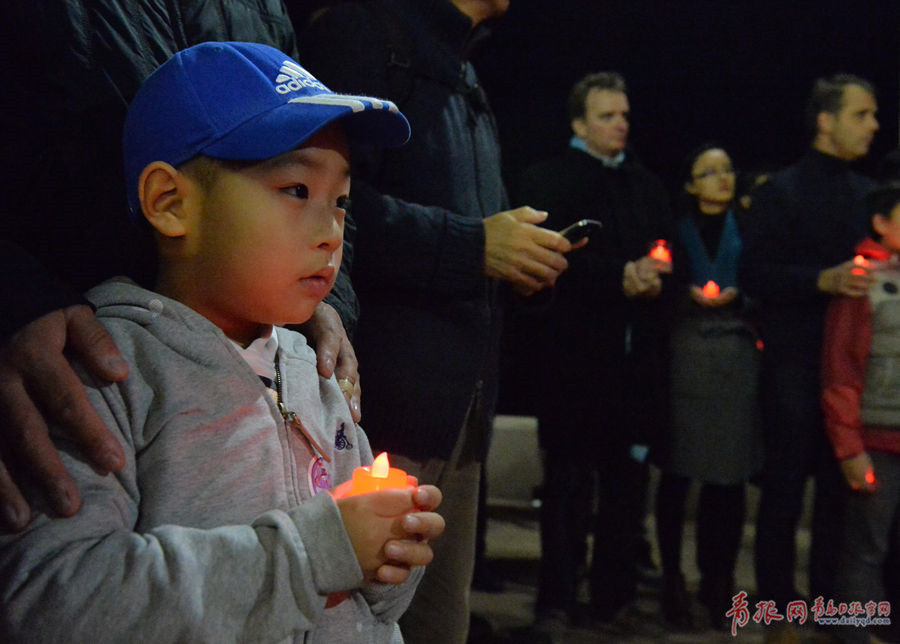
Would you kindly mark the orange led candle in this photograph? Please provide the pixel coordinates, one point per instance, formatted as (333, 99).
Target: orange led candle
(380, 476)
(861, 261)
(711, 290)
(870, 477)
(660, 251)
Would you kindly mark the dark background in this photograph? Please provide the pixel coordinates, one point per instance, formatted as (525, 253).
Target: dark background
(736, 71)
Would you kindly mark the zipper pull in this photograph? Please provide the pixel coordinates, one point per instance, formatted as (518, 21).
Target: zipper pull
(294, 422)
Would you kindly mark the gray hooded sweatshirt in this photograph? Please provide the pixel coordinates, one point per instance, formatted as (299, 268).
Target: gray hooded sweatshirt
(212, 532)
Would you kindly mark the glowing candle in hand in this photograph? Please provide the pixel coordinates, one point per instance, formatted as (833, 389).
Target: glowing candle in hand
(870, 476)
(380, 476)
(711, 290)
(660, 251)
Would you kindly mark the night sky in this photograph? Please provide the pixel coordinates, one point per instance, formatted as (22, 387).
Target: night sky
(735, 71)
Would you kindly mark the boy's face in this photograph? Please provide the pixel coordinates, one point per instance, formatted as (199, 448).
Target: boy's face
(269, 240)
(889, 228)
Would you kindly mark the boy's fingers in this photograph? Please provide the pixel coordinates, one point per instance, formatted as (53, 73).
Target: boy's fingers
(384, 504)
(425, 525)
(427, 497)
(391, 574)
(408, 552)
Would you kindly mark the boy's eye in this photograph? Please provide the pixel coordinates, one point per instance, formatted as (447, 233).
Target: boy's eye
(300, 191)
(343, 203)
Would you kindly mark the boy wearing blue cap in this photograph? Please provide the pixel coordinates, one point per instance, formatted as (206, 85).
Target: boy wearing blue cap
(215, 530)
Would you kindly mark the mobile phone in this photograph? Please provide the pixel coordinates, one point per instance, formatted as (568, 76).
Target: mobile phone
(580, 229)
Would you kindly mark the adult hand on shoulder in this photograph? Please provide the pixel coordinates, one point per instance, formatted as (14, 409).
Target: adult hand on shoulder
(413, 550)
(334, 353)
(845, 279)
(859, 473)
(37, 385)
(518, 251)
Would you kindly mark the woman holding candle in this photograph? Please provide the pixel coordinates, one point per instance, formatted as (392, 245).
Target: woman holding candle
(714, 436)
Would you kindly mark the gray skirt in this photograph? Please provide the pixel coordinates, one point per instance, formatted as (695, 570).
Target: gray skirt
(716, 434)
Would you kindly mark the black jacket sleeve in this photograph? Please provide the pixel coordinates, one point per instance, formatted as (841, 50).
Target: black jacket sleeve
(27, 290)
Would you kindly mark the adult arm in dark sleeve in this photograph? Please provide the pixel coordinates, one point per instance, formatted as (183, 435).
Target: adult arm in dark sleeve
(414, 244)
(596, 270)
(766, 267)
(442, 251)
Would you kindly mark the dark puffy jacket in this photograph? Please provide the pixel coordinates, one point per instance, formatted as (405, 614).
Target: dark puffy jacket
(70, 70)
(427, 327)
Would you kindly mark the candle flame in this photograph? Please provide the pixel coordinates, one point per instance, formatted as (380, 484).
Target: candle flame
(870, 477)
(660, 251)
(711, 289)
(381, 466)
(859, 260)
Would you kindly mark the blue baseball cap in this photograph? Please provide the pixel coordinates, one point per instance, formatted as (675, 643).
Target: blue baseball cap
(243, 102)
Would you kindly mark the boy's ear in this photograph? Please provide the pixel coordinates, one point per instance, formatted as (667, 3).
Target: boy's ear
(162, 192)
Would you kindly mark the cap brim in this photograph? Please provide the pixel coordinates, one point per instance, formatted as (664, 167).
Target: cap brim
(366, 121)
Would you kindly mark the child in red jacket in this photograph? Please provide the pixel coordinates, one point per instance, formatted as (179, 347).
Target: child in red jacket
(861, 401)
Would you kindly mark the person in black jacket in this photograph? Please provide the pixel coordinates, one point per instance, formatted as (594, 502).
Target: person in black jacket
(596, 352)
(434, 239)
(64, 226)
(801, 232)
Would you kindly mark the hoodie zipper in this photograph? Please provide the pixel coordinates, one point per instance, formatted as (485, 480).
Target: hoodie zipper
(290, 417)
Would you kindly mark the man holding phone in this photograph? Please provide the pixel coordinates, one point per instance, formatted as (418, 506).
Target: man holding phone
(599, 349)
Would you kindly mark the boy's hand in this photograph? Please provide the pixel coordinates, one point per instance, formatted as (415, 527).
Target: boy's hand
(413, 550)
(334, 353)
(859, 473)
(371, 520)
(37, 384)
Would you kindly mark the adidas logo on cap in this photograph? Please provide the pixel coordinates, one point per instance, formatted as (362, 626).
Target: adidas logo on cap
(292, 78)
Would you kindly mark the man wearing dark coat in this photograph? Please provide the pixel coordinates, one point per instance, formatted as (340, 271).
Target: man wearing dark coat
(801, 233)
(596, 349)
